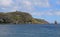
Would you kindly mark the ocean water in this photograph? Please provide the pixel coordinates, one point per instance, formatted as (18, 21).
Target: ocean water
(30, 30)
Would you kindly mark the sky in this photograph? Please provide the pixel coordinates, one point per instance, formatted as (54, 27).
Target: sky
(41, 9)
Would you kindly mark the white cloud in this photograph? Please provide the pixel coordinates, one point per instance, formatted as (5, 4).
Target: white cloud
(47, 13)
(42, 3)
(5, 2)
(42, 13)
(3, 8)
(29, 5)
(14, 8)
(37, 13)
(57, 13)
(58, 2)
(53, 13)
(25, 4)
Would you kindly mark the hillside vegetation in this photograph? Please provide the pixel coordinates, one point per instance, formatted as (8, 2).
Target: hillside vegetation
(19, 18)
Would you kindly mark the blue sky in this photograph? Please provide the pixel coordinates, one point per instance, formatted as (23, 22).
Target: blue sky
(43, 9)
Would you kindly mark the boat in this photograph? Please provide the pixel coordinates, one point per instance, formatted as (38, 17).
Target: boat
(55, 22)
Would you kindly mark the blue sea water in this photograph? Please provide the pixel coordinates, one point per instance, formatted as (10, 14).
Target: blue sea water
(30, 30)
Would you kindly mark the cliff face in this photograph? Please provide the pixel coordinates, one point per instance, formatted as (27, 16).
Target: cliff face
(19, 18)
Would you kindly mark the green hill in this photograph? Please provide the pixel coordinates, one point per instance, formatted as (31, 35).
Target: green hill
(19, 18)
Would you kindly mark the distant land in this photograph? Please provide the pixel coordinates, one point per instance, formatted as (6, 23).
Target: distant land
(19, 17)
